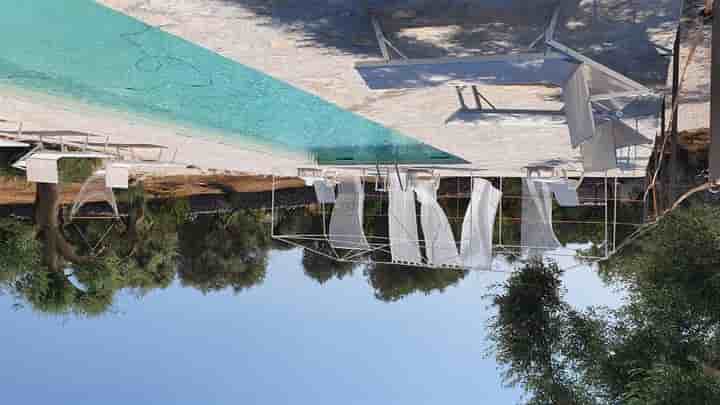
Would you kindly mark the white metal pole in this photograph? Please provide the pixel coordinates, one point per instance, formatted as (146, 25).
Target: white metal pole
(501, 213)
(272, 208)
(615, 200)
(606, 216)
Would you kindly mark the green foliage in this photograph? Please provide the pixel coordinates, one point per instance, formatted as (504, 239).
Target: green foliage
(19, 250)
(226, 250)
(528, 333)
(51, 293)
(660, 347)
(670, 385)
(393, 283)
(77, 170)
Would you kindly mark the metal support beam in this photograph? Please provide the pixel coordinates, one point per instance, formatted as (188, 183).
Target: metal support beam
(479, 95)
(598, 66)
(476, 95)
(461, 99)
(380, 38)
(619, 94)
(383, 42)
(550, 31)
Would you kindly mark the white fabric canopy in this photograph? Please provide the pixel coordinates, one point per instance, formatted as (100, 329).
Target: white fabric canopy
(478, 224)
(564, 190)
(117, 176)
(625, 135)
(402, 219)
(440, 245)
(536, 230)
(346, 221)
(324, 192)
(578, 110)
(599, 153)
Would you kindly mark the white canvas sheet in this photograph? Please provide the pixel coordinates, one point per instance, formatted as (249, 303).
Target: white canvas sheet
(402, 219)
(478, 225)
(625, 135)
(117, 176)
(42, 170)
(440, 246)
(346, 221)
(536, 230)
(599, 153)
(565, 192)
(324, 192)
(578, 110)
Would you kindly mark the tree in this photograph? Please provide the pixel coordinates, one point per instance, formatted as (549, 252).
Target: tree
(225, 250)
(660, 347)
(393, 282)
(527, 334)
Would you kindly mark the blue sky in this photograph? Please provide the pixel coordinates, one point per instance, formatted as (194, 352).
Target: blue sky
(289, 340)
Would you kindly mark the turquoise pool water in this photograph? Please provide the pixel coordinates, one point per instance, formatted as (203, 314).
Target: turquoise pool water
(83, 50)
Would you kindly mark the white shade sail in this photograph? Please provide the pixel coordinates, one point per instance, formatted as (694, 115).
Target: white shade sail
(478, 224)
(440, 246)
(346, 221)
(599, 153)
(578, 110)
(536, 229)
(564, 190)
(402, 218)
(324, 192)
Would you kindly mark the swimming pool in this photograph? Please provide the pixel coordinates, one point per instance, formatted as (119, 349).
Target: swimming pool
(90, 53)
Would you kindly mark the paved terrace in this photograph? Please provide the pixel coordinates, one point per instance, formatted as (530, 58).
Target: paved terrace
(314, 45)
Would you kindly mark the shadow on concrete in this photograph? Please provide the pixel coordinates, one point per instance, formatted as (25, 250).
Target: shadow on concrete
(615, 32)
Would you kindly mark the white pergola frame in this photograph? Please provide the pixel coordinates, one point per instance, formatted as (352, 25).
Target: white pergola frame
(382, 243)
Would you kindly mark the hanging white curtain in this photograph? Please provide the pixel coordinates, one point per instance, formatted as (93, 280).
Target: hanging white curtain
(346, 221)
(440, 246)
(565, 192)
(625, 135)
(402, 219)
(599, 153)
(324, 192)
(576, 96)
(536, 230)
(478, 225)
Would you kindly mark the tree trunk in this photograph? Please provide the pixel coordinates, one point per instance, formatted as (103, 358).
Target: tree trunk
(55, 246)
